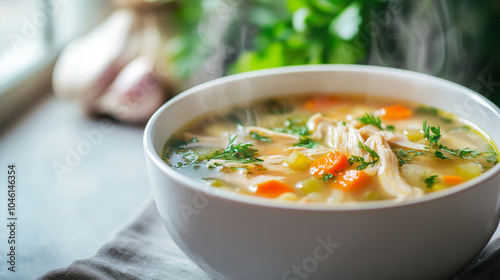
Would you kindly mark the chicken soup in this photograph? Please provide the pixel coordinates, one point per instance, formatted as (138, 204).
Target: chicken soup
(331, 149)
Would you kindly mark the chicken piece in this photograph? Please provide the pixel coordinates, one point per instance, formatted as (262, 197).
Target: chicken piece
(394, 138)
(319, 125)
(345, 138)
(388, 170)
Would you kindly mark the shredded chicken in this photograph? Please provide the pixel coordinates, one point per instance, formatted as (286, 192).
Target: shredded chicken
(388, 170)
(394, 138)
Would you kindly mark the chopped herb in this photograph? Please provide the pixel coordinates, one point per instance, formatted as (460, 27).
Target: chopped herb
(430, 181)
(326, 177)
(362, 163)
(461, 153)
(491, 156)
(427, 110)
(433, 112)
(181, 143)
(367, 149)
(436, 133)
(190, 156)
(307, 143)
(390, 128)
(261, 138)
(344, 123)
(368, 118)
(440, 155)
(405, 156)
(296, 126)
(277, 108)
(239, 153)
(446, 120)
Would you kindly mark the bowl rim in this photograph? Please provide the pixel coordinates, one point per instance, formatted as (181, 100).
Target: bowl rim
(212, 192)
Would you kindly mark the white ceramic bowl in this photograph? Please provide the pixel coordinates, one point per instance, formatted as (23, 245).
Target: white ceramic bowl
(233, 236)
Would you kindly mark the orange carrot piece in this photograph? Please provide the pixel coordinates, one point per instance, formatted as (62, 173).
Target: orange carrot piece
(272, 189)
(452, 180)
(320, 103)
(352, 180)
(332, 162)
(395, 112)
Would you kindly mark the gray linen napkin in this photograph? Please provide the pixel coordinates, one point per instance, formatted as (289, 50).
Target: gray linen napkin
(144, 250)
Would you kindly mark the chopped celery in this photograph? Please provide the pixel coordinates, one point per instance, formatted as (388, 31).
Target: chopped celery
(438, 187)
(469, 170)
(372, 195)
(309, 185)
(298, 161)
(414, 134)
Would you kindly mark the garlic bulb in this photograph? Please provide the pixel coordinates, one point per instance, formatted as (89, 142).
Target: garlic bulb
(135, 94)
(117, 68)
(89, 64)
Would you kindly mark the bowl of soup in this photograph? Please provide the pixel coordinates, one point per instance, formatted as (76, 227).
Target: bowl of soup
(327, 172)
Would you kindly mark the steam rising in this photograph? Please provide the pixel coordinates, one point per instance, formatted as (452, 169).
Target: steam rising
(421, 36)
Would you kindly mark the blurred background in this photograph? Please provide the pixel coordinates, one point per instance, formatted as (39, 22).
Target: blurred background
(79, 79)
(182, 43)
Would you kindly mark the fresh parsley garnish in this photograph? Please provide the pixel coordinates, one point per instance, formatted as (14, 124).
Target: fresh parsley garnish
(362, 163)
(461, 153)
(296, 126)
(241, 152)
(440, 155)
(307, 143)
(367, 149)
(433, 112)
(276, 108)
(369, 118)
(432, 133)
(390, 128)
(430, 181)
(405, 156)
(326, 177)
(256, 136)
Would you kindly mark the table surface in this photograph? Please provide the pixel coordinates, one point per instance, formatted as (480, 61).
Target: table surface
(78, 180)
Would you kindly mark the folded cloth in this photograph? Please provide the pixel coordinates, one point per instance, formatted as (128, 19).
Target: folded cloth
(144, 250)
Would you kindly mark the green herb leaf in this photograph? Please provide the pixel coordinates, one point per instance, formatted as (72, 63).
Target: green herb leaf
(390, 128)
(368, 119)
(256, 136)
(440, 155)
(362, 163)
(367, 149)
(239, 153)
(430, 181)
(436, 133)
(326, 177)
(461, 153)
(307, 143)
(405, 156)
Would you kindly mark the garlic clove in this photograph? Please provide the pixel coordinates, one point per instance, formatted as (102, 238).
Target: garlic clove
(88, 65)
(136, 93)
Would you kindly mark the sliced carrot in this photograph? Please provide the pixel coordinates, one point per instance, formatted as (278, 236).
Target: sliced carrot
(332, 162)
(272, 189)
(320, 103)
(395, 112)
(352, 180)
(452, 180)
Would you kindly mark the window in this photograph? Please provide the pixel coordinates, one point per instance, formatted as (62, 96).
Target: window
(32, 33)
